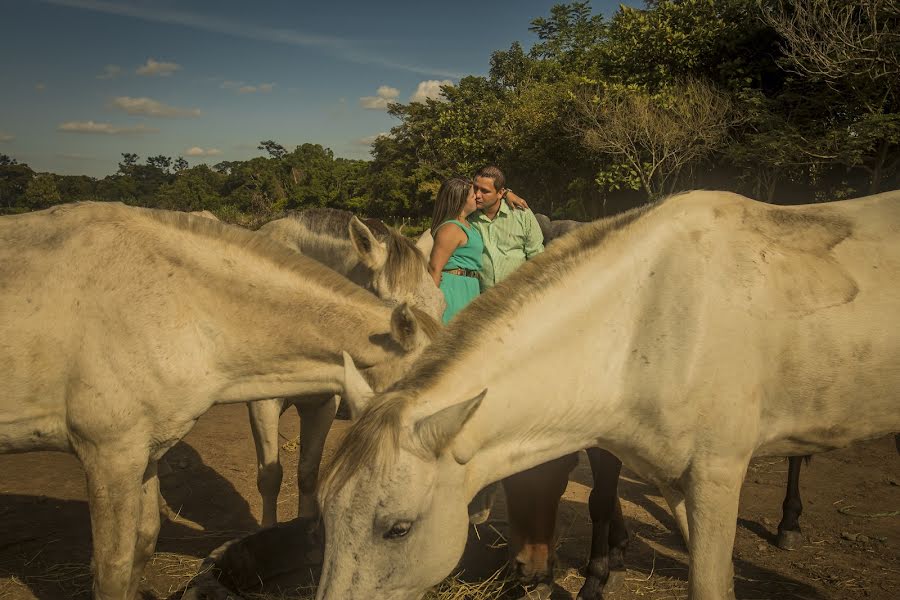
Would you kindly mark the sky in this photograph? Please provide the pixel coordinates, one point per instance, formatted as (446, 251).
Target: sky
(82, 81)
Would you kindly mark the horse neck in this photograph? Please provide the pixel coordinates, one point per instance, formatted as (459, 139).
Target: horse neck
(335, 252)
(291, 320)
(563, 398)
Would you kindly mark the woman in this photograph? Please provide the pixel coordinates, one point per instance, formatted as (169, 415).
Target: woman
(456, 255)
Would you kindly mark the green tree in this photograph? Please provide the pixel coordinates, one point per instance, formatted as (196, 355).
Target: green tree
(854, 49)
(656, 136)
(14, 180)
(274, 149)
(197, 188)
(42, 192)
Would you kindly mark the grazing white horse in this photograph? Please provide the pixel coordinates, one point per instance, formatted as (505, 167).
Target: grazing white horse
(121, 326)
(371, 255)
(686, 338)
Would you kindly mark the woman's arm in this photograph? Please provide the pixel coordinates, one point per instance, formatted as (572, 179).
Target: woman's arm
(447, 239)
(515, 200)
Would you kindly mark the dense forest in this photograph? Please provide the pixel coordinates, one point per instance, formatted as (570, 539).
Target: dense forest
(785, 101)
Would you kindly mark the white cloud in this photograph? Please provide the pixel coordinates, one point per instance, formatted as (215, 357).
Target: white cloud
(110, 72)
(380, 100)
(161, 69)
(198, 151)
(6, 137)
(103, 128)
(151, 108)
(41, 87)
(370, 139)
(430, 89)
(263, 88)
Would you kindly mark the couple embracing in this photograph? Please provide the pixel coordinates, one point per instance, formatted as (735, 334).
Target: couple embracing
(479, 236)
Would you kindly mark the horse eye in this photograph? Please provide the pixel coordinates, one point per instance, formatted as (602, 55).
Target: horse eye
(398, 530)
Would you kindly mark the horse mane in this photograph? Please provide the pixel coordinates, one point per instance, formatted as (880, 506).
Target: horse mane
(375, 434)
(405, 262)
(259, 245)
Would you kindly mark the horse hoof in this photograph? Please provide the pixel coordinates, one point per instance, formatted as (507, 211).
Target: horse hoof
(789, 540)
(591, 590)
(615, 581)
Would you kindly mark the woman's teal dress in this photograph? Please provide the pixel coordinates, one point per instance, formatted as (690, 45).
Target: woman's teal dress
(459, 290)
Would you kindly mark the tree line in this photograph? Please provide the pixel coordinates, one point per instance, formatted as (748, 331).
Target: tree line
(786, 101)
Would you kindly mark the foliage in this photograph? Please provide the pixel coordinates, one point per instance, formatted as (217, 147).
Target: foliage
(786, 101)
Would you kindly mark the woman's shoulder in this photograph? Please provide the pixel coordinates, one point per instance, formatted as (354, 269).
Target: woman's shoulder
(450, 233)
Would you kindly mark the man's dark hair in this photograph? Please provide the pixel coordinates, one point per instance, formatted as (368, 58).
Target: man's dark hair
(494, 173)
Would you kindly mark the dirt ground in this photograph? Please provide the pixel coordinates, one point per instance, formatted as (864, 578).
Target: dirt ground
(45, 532)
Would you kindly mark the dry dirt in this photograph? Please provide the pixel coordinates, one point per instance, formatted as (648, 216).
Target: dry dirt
(45, 533)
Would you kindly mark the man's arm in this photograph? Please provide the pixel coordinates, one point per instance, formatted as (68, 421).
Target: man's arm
(534, 238)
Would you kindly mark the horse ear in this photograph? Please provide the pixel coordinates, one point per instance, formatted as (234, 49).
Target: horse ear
(437, 431)
(371, 251)
(357, 391)
(425, 243)
(404, 327)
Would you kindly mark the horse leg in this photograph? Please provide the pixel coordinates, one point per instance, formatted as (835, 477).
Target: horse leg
(116, 500)
(789, 528)
(148, 526)
(675, 500)
(532, 501)
(264, 416)
(609, 536)
(712, 491)
(316, 417)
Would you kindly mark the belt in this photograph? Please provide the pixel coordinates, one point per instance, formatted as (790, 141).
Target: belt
(463, 272)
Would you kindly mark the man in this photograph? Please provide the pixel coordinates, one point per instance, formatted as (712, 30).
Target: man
(510, 236)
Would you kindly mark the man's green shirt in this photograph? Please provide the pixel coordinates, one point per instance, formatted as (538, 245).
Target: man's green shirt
(513, 237)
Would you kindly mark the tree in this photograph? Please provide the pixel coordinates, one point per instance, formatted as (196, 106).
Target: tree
(656, 136)
(275, 150)
(42, 192)
(129, 160)
(163, 163)
(180, 164)
(194, 189)
(7, 161)
(854, 48)
(14, 180)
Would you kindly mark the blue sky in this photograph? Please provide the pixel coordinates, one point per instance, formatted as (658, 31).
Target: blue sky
(85, 80)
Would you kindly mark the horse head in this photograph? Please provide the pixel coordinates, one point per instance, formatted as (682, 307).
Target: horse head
(399, 268)
(392, 490)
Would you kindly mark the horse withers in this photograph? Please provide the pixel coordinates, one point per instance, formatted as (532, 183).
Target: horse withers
(637, 318)
(122, 326)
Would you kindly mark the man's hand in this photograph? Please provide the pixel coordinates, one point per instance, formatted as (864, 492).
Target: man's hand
(515, 201)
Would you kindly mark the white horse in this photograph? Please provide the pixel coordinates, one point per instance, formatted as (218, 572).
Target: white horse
(121, 326)
(371, 255)
(686, 338)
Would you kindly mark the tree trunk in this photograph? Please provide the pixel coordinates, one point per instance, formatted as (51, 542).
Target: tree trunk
(878, 167)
